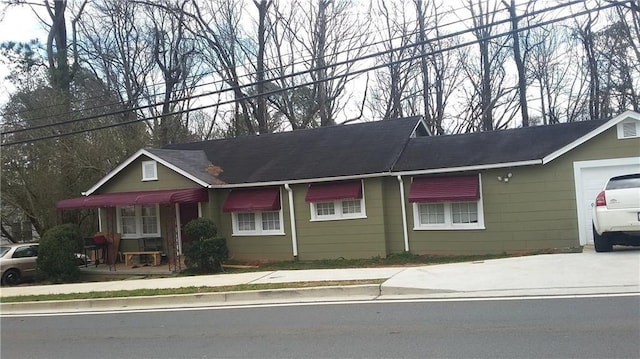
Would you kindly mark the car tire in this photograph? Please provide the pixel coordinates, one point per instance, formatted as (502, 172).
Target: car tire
(601, 242)
(11, 277)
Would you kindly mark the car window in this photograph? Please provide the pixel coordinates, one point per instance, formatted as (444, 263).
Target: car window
(25, 251)
(628, 181)
(4, 250)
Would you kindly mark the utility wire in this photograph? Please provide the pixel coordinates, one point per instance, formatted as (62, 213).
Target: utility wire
(353, 73)
(345, 62)
(222, 81)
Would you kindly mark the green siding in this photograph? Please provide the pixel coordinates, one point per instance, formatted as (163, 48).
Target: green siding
(535, 210)
(349, 238)
(258, 248)
(130, 179)
(393, 215)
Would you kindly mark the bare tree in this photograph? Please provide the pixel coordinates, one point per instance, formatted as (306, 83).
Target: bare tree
(175, 55)
(519, 59)
(389, 95)
(298, 105)
(489, 78)
(261, 113)
(333, 34)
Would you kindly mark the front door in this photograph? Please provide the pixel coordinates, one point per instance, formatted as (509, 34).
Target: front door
(188, 212)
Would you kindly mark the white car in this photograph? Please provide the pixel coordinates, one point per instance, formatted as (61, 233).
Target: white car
(616, 213)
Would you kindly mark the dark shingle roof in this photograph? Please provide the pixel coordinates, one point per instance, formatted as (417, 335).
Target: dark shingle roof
(193, 162)
(492, 147)
(343, 150)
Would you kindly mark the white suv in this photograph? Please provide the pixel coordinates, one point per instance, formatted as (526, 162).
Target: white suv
(616, 213)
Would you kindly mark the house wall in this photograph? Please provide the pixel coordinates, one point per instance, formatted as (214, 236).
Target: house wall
(535, 210)
(258, 248)
(130, 179)
(394, 237)
(349, 238)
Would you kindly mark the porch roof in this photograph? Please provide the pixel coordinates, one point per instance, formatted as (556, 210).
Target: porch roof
(189, 195)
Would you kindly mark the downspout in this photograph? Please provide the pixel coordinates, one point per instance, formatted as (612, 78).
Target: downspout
(405, 232)
(177, 229)
(292, 219)
(99, 219)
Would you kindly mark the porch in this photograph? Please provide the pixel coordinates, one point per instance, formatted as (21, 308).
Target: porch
(140, 268)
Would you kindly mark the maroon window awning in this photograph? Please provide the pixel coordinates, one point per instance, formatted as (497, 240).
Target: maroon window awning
(189, 195)
(253, 200)
(445, 189)
(324, 192)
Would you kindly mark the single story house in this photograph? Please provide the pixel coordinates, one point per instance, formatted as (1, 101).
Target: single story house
(370, 189)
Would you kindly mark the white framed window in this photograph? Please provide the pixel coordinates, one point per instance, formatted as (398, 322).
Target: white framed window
(149, 170)
(333, 201)
(266, 223)
(138, 221)
(628, 129)
(448, 215)
(337, 210)
(447, 202)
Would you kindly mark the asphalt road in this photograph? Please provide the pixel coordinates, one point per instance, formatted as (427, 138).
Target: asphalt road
(607, 327)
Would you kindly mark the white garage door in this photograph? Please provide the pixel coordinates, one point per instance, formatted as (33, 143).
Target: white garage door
(591, 177)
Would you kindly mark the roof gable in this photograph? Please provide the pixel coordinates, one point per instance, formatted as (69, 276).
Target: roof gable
(185, 163)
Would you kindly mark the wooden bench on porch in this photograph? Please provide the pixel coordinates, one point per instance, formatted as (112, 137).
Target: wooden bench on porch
(128, 256)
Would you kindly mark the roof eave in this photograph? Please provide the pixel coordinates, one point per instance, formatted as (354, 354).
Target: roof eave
(468, 168)
(591, 134)
(134, 157)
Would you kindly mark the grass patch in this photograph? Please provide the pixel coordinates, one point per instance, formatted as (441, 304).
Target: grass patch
(185, 290)
(400, 259)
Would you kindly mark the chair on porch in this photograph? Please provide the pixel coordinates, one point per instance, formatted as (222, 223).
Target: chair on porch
(109, 243)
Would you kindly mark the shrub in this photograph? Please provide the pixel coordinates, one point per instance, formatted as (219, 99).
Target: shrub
(57, 261)
(206, 252)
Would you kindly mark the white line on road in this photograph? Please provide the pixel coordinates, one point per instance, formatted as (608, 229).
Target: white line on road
(299, 304)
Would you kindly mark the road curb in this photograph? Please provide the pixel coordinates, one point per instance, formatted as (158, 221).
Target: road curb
(287, 295)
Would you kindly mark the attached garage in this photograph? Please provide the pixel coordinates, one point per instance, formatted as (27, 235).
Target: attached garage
(590, 178)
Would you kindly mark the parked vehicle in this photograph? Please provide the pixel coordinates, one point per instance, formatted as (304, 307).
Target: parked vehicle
(18, 262)
(616, 213)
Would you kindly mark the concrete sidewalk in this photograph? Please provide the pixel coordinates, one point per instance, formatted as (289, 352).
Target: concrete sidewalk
(552, 274)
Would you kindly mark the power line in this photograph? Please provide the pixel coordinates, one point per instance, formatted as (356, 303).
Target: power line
(353, 73)
(222, 81)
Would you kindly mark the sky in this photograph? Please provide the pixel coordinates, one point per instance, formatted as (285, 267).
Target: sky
(17, 23)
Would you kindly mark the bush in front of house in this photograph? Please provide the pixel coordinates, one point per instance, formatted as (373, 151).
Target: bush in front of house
(57, 260)
(206, 252)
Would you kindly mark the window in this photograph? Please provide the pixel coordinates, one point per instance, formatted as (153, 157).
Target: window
(628, 129)
(139, 221)
(128, 220)
(447, 203)
(431, 213)
(325, 209)
(255, 211)
(149, 170)
(26, 252)
(336, 210)
(257, 223)
(336, 200)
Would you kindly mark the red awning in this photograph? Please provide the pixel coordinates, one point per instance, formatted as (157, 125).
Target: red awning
(323, 192)
(445, 189)
(190, 195)
(253, 200)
